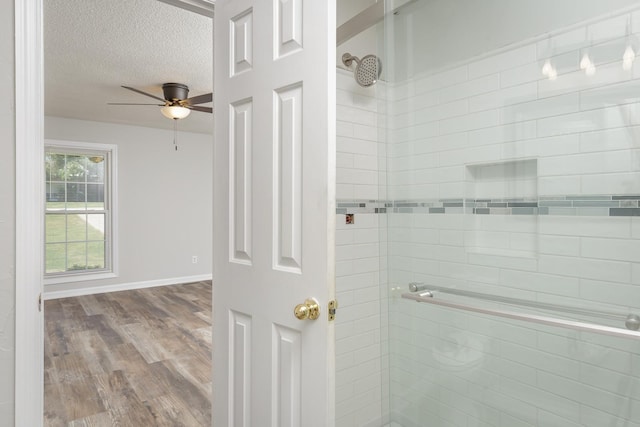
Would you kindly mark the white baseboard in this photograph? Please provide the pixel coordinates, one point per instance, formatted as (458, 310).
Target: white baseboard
(82, 289)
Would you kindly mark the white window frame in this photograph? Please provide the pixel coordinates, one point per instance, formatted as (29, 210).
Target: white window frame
(111, 199)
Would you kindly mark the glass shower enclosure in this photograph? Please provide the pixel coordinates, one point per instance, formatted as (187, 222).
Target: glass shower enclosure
(510, 244)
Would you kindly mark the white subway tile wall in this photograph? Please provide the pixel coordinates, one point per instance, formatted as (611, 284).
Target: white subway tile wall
(572, 145)
(360, 378)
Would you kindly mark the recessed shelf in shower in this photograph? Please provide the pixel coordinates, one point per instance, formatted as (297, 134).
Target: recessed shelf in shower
(502, 209)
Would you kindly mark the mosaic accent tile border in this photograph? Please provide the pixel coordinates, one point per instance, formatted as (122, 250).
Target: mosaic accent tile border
(588, 205)
(362, 206)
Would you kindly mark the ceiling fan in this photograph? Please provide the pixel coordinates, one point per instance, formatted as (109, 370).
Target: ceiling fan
(175, 104)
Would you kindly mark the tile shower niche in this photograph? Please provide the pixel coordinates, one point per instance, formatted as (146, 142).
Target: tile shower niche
(502, 209)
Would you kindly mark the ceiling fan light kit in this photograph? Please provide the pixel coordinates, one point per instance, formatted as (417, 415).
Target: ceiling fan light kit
(176, 104)
(175, 112)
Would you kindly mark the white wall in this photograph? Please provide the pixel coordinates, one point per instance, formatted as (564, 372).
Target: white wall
(164, 199)
(7, 215)
(493, 127)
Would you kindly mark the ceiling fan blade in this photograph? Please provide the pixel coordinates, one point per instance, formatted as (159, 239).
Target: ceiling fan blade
(203, 109)
(143, 93)
(200, 99)
(128, 103)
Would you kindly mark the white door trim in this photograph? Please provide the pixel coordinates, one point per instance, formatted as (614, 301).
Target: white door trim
(29, 138)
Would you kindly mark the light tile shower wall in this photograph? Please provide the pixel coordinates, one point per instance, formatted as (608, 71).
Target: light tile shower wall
(358, 145)
(496, 131)
(359, 364)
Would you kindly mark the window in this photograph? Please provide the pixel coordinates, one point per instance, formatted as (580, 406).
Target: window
(79, 211)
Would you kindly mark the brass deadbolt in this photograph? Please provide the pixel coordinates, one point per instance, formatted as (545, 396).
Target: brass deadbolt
(310, 309)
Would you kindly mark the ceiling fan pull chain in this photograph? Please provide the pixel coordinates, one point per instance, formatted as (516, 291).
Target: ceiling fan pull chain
(175, 133)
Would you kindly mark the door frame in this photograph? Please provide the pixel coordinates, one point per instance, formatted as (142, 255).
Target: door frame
(29, 216)
(29, 213)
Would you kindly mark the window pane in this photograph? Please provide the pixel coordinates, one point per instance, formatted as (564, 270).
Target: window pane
(55, 228)
(47, 166)
(76, 256)
(95, 169)
(54, 166)
(95, 196)
(55, 255)
(75, 168)
(96, 255)
(76, 196)
(76, 227)
(95, 231)
(55, 196)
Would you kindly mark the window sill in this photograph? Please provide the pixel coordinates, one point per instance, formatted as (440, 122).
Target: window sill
(85, 277)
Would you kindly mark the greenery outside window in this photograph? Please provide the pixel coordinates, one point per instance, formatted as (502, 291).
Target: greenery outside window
(79, 211)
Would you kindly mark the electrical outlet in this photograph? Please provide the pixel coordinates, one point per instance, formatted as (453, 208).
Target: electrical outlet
(194, 259)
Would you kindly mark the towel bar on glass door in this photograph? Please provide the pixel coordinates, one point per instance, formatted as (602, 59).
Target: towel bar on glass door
(427, 294)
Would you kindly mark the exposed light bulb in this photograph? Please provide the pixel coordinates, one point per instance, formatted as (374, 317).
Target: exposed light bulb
(546, 68)
(553, 74)
(585, 62)
(627, 58)
(590, 70)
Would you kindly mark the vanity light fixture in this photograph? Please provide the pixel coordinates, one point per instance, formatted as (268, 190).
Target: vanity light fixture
(586, 64)
(629, 54)
(590, 70)
(628, 57)
(549, 71)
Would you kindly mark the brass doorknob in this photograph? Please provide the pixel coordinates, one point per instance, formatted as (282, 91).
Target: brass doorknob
(310, 309)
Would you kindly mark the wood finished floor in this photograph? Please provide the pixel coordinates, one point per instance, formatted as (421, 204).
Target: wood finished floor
(132, 358)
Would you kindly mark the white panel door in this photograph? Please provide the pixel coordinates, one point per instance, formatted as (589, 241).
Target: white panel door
(274, 212)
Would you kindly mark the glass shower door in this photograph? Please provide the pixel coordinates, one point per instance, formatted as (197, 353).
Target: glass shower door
(513, 219)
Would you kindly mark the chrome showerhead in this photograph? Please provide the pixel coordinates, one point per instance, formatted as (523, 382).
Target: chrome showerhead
(367, 70)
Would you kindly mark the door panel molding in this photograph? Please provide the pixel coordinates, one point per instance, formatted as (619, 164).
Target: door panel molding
(288, 27)
(287, 377)
(287, 179)
(240, 178)
(240, 369)
(241, 42)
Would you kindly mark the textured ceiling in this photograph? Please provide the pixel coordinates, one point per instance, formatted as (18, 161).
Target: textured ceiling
(92, 47)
